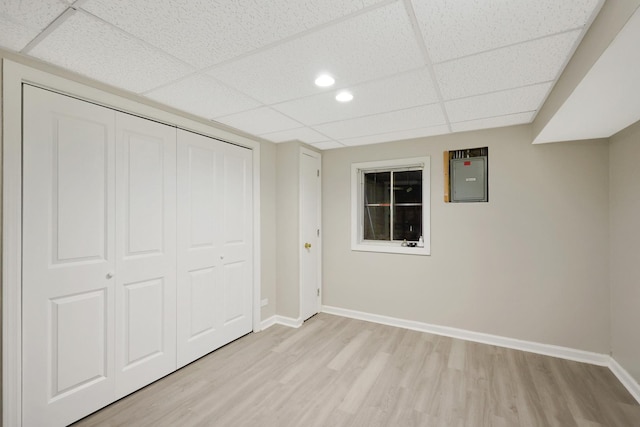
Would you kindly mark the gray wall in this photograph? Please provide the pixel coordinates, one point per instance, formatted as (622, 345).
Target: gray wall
(268, 227)
(531, 264)
(288, 202)
(624, 208)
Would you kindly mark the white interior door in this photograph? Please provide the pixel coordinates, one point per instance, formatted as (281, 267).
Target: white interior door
(68, 258)
(310, 253)
(214, 244)
(145, 276)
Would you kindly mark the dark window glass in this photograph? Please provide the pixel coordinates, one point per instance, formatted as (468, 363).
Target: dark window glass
(377, 223)
(407, 223)
(376, 188)
(406, 205)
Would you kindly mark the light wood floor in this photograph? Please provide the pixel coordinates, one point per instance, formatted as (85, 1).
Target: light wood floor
(335, 371)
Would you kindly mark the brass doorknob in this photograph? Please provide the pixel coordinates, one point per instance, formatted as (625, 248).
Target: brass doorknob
(307, 245)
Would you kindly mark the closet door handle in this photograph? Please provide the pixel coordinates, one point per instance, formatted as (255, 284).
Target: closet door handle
(109, 275)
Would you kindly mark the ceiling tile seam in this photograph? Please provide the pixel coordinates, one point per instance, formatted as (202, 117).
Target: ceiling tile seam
(53, 25)
(172, 82)
(210, 77)
(262, 135)
(77, 3)
(494, 117)
(272, 109)
(298, 35)
(378, 114)
(572, 52)
(337, 88)
(337, 142)
(391, 133)
(133, 37)
(425, 53)
(499, 91)
(506, 46)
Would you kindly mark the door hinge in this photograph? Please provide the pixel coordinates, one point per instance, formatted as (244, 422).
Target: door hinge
(318, 173)
(318, 232)
(318, 291)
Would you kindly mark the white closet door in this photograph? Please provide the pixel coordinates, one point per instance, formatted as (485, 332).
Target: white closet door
(214, 244)
(237, 242)
(68, 258)
(145, 277)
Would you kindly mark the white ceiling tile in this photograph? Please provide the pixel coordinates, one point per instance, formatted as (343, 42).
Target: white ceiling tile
(606, 100)
(396, 136)
(303, 134)
(518, 65)
(204, 32)
(394, 93)
(21, 21)
(411, 118)
(454, 28)
(520, 100)
(259, 121)
(494, 122)
(203, 96)
(328, 145)
(369, 46)
(88, 46)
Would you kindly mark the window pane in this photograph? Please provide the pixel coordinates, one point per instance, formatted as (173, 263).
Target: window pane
(377, 188)
(377, 223)
(407, 222)
(407, 187)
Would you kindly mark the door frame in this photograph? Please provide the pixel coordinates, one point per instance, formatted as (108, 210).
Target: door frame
(14, 74)
(305, 151)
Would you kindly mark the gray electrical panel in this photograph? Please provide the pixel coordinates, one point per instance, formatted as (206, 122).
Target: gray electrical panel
(469, 179)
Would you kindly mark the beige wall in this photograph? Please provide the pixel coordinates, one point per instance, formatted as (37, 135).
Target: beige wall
(287, 200)
(531, 264)
(268, 227)
(624, 199)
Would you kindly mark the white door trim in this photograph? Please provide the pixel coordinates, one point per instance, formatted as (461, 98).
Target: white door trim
(316, 155)
(13, 76)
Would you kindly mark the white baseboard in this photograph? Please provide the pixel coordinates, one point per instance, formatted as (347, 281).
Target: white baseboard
(533, 347)
(281, 320)
(625, 378)
(267, 323)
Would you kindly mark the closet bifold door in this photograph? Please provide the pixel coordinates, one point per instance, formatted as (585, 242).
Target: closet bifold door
(145, 279)
(214, 244)
(68, 258)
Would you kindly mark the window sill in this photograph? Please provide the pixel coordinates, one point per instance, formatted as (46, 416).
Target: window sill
(390, 248)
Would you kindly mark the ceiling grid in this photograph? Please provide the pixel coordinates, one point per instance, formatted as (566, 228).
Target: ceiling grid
(415, 68)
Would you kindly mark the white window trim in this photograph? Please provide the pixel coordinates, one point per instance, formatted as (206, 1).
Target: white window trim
(357, 206)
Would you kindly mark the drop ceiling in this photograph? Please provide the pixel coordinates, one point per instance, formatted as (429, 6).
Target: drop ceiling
(415, 67)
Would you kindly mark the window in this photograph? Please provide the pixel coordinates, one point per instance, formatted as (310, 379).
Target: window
(390, 205)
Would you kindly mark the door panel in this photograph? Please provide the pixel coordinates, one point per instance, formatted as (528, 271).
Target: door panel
(202, 299)
(144, 322)
(145, 274)
(77, 353)
(203, 212)
(237, 247)
(79, 149)
(68, 251)
(309, 226)
(199, 213)
(214, 181)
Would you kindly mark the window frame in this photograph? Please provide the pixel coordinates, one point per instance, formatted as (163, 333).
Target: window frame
(357, 206)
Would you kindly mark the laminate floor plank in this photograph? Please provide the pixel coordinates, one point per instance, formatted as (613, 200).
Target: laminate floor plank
(335, 371)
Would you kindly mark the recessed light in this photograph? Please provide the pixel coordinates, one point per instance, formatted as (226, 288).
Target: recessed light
(325, 80)
(344, 96)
